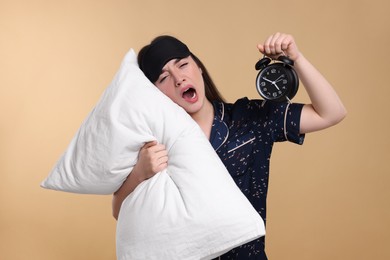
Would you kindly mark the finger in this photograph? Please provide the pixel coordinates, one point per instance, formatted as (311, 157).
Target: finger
(157, 148)
(286, 42)
(149, 144)
(260, 47)
(270, 47)
(162, 160)
(267, 45)
(162, 152)
(280, 43)
(273, 43)
(159, 164)
(161, 167)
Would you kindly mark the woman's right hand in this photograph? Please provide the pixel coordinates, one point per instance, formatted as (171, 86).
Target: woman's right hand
(152, 158)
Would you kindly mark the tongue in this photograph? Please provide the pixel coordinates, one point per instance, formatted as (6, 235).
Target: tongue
(189, 94)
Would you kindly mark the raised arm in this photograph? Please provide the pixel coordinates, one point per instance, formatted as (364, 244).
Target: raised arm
(152, 159)
(326, 108)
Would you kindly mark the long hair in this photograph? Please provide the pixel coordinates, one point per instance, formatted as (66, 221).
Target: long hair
(211, 91)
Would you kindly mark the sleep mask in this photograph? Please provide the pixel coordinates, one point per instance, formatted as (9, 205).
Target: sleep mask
(158, 53)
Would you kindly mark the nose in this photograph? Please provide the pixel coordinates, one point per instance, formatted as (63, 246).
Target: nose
(179, 79)
(179, 82)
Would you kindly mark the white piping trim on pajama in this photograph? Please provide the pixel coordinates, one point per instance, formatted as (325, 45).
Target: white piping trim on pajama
(226, 137)
(250, 140)
(285, 121)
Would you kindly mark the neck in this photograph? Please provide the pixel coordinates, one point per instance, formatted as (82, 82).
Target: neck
(204, 117)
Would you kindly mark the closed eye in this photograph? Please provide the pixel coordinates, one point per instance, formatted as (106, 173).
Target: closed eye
(183, 65)
(162, 78)
(182, 62)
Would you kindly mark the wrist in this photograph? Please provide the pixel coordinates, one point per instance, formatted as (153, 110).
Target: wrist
(135, 176)
(298, 58)
(130, 183)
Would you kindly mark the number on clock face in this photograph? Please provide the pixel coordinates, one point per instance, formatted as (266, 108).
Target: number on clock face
(276, 81)
(273, 82)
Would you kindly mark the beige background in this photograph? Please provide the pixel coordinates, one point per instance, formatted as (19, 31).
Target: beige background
(328, 199)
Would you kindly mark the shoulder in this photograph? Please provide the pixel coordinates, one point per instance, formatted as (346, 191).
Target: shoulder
(244, 105)
(250, 108)
(256, 109)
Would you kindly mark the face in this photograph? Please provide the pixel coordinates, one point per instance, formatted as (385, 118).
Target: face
(181, 80)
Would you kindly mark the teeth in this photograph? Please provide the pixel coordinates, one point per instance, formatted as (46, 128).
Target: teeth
(187, 92)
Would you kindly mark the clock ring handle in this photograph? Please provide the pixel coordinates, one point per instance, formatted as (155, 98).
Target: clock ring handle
(286, 60)
(262, 63)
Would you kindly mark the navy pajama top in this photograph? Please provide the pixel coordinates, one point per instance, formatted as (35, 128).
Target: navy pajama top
(243, 135)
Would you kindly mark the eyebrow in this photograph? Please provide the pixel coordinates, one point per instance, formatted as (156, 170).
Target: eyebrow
(176, 62)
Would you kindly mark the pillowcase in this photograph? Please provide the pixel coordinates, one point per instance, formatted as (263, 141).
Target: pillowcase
(191, 210)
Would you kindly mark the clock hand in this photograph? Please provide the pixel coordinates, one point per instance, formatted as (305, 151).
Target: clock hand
(268, 80)
(272, 82)
(279, 79)
(276, 86)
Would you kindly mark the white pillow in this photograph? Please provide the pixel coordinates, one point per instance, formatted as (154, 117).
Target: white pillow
(191, 210)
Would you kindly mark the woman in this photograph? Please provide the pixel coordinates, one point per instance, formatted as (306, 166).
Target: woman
(242, 133)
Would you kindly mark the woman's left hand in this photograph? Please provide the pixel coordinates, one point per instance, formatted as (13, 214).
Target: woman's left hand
(326, 108)
(280, 44)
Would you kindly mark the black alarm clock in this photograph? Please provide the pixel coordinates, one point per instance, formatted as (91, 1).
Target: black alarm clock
(277, 80)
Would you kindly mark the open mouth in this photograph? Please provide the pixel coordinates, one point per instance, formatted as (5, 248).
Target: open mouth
(189, 94)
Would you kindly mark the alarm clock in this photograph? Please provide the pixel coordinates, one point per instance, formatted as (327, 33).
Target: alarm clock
(277, 80)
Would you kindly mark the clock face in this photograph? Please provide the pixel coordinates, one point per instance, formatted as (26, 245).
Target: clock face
(274, 82)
